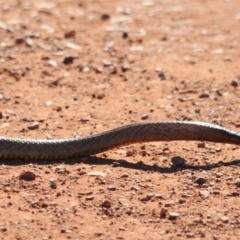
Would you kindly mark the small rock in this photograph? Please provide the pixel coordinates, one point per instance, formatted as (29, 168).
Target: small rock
(112, 188)
(84, 120)
(3, 229)
(105, 16)
(143, 153)
(200, 180)
(6, 97)
(178, 161)
(101, 96)
(163, 212)
(237, 182)
(106, 63)
(219, 174)
(234, 82)
(228, 58)
(129, 153)
(116, 164)
(5, 125)
(68, 60)
(29, 42)
(97, 173)
(150, 195)
(58, 109)
(19, 40)
(125, 175)
(126, 66)
(43, 204)
(53, 185)
(90, 197)
(161, 75)
(98, 234)
(125, 34)
(215, 236)
(73, 46)
(48, 103)
(70, 34)
(169, 204)
(27, 176)
(204, 95)
(144, 116)
(52, 63)
(158, 195)
(135, 188)
(33, 126)
(106, 204)
(61, 170)
(86, 69)
(173, 215)
(98, 69)
(189, 235)
(224, 219)
(201, 145)
(204, 194)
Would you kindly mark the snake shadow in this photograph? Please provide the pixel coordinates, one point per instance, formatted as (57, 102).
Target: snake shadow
(141, 166)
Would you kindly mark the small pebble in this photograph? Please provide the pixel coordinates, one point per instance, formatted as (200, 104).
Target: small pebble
(219, 174)
(129, 153)
(144, 116)
(200, 180)
(86, 69)
(101, 96)
(126, 66)
(224, 219)
(161, 75)
(48, 103)
(97, 173)
(90, 197)
(163, 212)
(204, 194)
(27, 176)
(70, 34)
(173, 215)
(204, 95)
(112, 188)
(106, 204)
(237, 182)
(33, 126)
(105, 16)
(178, 161)
(201, 145)
(234, 82)
(169, 204)
(68, 60)
(116, 164)
(135, 188)
(53, 185)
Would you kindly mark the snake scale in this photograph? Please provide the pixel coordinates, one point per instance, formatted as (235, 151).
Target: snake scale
(14, 148)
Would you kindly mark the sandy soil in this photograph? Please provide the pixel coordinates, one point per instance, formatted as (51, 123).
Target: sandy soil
(71, 68)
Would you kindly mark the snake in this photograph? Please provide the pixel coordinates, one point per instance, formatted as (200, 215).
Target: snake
(17, 148)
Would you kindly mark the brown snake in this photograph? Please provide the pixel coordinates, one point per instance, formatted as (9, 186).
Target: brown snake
(13, 148)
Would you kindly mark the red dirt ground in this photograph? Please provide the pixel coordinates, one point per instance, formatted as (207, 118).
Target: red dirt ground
(70, 68)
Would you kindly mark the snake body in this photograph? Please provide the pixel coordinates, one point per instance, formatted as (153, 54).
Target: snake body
(14, 148)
